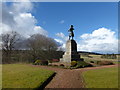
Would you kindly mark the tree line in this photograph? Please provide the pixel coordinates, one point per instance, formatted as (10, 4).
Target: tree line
(16, 48)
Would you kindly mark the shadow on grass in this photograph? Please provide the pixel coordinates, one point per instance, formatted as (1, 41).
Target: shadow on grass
(46, 82)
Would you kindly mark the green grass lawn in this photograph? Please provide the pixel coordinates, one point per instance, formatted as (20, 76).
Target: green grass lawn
(23, 76)
(0, 76)
(101, 78)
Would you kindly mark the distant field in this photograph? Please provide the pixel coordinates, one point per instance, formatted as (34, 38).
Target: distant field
(101, 78)
(23, 76)
(98, 58)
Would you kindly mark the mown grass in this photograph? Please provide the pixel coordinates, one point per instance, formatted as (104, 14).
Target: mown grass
(0, 76)
(101, 78)
(23, 76)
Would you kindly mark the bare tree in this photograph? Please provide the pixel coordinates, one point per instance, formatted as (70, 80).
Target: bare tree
(37, 47)
(41, 46)
(9, 41)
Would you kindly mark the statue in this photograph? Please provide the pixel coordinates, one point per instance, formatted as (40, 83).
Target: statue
(71, 34)
(71, 53)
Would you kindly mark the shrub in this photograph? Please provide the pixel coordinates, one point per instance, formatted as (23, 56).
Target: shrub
(44, 62)
(73, 63)
(91, 61)
(81, 64)
(62, 65)
(98, 62)
(37, 62)
(50, 64)
(105, 63)
(55, 65)
(49, 61)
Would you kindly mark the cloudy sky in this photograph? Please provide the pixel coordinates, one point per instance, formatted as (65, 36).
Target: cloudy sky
(95, 24)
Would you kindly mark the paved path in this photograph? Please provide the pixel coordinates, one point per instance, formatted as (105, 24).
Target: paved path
(66, 78)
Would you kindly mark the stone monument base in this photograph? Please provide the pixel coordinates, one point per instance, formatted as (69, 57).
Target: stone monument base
(71, 52)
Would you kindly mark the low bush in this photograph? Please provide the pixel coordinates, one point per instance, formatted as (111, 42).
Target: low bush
(81, 64)
(44, 62)
(105, 63)
(73, 63)
(49, 61)
(91, 61)
(41, 62)
(55, 65)
(62, 65)
(50, 64)
(98, 62)
(37, 62)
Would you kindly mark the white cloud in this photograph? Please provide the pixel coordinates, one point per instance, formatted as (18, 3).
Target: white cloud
(102, 40)
(62, 21)
(38, 29)
(61, 39)
(58, 40)
(4, 28)
(23, 6)
(62, 36)
(17, 17)
(62, 42)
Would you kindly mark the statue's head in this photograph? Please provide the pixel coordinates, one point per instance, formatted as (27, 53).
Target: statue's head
(71, 25)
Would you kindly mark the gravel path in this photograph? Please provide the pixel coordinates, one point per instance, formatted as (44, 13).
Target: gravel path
(66, 78)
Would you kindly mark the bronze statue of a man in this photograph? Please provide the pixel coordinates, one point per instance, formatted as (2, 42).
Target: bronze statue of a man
(71, 34)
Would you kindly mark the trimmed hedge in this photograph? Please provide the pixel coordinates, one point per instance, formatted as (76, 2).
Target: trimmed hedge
(41, 62)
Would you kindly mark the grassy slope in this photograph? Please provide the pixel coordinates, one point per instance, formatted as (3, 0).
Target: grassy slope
(101, 78)
(23, 76)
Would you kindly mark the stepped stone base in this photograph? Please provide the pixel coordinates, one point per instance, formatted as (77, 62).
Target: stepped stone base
(71, 52)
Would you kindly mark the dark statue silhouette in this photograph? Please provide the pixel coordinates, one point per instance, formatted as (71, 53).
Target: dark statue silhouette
(71, 34)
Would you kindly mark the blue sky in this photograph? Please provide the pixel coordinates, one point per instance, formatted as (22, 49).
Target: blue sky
(84, 16)
(95, 23)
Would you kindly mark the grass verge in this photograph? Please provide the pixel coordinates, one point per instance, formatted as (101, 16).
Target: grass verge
(23, 76)
(0, 76)
(101, 78)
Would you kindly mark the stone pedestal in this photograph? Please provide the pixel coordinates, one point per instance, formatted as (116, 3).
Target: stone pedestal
(71, 52)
